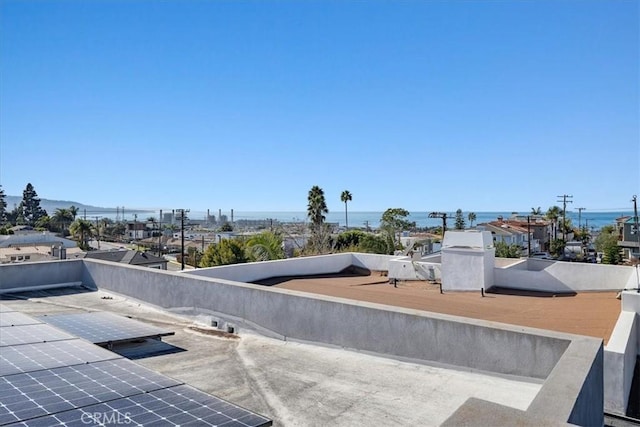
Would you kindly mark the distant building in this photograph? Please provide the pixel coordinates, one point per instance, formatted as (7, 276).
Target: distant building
(629, 237)
(138, 230)
(143, 259)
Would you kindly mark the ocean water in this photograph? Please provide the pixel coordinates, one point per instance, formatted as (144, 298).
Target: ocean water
(594, 220)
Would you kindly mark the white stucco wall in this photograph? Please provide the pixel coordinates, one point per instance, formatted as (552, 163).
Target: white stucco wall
(470, 238)
(564, 277)
(406, 269)
(463, 269)
(321, 264)
(620, 355)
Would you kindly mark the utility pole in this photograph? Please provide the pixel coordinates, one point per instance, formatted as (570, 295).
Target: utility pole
(160, 234)
(97, 231)
(564, 212)
(580, 217)
(529, 235)
(443, 216)
(182, 215)
(636, 231)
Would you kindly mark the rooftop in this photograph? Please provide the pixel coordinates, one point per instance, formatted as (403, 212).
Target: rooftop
(292, 383)
(588, 313)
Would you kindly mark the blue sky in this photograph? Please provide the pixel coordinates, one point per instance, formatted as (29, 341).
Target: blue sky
(425, 105)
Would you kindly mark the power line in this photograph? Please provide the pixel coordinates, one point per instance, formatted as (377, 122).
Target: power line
(564, 212)
(580, 216)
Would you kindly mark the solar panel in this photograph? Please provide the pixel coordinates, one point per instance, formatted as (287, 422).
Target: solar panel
(33, 357)
(174, 406)
(15, 318)
(34, 394)
(31, 334)
(104, 328)
(73, 382)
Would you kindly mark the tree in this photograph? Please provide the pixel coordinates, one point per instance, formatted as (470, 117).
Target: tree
(346, 197)
(226, 228)
(349, 241)
(393, 221)
(607, 243)
(316, 206)
(472, 218)
(376, 244)
(265, 246)
(62, 218)
(359, 241)
(582, 235)
(316, 210)
(82, 230)
(459, 224)
(31, 210)
(3, 207)
(73, 210)
(44, 223)
(536, 211)
(553, 213)
(193, 256)
(557, 248)
(504, 250)
(16, 216)
(228, 251)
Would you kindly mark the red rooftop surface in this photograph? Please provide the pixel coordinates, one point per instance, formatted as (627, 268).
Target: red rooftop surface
(590, 313)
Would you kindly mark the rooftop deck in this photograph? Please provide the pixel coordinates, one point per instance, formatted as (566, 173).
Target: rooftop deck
(591, 313)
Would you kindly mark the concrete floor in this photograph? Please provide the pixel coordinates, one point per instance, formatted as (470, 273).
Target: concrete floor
(298, 384)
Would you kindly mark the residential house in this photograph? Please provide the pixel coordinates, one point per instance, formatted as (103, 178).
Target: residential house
(137, 230)
(629, 237)
(511, 234)
(143, 259)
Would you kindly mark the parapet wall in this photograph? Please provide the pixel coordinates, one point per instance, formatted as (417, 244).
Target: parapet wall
(560, 277)
(321, 264)
(570, 366)
(375, 328)
(40, 274)
(383, 330)
(620, 355)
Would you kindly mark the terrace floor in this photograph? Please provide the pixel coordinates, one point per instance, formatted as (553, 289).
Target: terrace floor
(590, 313)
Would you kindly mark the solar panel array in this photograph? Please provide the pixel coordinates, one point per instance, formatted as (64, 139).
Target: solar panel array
(104, 328)
(27, 334)
(15, 318)
(48, 377)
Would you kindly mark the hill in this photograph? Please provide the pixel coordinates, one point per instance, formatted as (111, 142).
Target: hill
(51, 205)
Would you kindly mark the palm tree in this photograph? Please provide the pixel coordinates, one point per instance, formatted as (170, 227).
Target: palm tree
(62, 217)
(82, 230)
(536, 211)
(316, 209)
(317, 206)
(265, 247)
(553, 214)
(346, 197)
(74, 211)
(472, 218)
